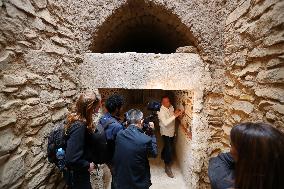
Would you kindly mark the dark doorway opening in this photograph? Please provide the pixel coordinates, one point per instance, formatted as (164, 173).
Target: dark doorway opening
(142, 27)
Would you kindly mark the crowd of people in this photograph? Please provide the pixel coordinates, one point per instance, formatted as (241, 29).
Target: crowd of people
(255, 161)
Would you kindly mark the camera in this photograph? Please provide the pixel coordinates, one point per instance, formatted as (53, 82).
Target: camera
(153, 106)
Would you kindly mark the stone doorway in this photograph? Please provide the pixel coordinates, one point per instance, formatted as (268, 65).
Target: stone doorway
(145, 48)
(183, 75)
(138, 98)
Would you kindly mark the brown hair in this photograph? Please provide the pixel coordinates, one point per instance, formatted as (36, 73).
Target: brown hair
(83, 109)
(260, 156)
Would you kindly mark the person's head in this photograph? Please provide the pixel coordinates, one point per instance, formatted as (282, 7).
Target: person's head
(134, 116)
(87, 104)
(258, 150)
(114, 104)
(166, 101)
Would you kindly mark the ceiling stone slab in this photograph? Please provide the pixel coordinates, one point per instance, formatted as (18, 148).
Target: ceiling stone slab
(177, 71)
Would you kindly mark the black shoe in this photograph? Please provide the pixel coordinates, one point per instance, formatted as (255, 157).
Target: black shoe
(168, 171)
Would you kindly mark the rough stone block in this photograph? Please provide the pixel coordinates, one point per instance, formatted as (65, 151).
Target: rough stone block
(243, 106)
(275, 62)
(45, 15)
(4, 158)
(39, 120)
(271, 76)
(270, 92)
(68, 85)
(251, 68)
(8, 141)
(7, 118)
(54, 81)
(10, 89)
(13, 80)
(60, 114)
(238, 12)
(34, 170)
(13, 170)
(24, 5)
(270, 116)
(263, 52)
(58, 103)
(41, 3)
(32, 101)
(27, 92)
(14, 12)
(11, 104)
(247, 97)
(278, 108)
(69, 93)
(187, 49)
(38, 24)
(47, 97)
(40, 177)
(33, 111)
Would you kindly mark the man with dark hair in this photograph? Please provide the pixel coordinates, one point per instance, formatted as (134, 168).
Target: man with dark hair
(167, 117)
(132, 149)
(112, 125)
(113, 104)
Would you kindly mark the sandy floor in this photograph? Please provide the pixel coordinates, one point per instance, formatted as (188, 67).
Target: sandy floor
(158, 176)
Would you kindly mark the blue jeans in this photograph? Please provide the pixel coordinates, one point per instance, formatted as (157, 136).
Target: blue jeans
(167, 152)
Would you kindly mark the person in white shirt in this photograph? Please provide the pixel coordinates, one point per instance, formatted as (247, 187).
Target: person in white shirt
(167, 116)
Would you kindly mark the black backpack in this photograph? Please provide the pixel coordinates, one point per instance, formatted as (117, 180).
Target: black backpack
(99, 143)
(57, 139)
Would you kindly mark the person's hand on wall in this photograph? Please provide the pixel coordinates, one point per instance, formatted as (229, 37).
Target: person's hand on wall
(178, 112)
(92, 167)
(152, 125)
(182, 114)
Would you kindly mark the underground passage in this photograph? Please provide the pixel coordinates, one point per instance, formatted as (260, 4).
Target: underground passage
(219, 62)
(141, 27)
(139, 99)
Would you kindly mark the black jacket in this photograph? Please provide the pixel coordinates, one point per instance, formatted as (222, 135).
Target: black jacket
(111, 131)
(131, 165)
(76, 153)
(221, 171)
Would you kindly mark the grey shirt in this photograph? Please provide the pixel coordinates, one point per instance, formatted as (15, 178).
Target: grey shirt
(221, 171)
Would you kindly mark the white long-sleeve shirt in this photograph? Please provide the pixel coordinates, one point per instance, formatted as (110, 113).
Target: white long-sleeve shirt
(167, 121)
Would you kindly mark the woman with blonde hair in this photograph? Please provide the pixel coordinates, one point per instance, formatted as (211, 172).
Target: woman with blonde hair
(78, 127)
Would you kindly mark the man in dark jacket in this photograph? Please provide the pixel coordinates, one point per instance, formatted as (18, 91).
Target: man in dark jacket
(221, 171)
(111, 123)
(133, 147)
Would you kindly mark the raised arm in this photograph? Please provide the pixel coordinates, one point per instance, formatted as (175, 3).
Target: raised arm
(165, 121)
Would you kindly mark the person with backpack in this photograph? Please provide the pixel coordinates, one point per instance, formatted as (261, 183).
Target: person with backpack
(79, 128)
(112, 125)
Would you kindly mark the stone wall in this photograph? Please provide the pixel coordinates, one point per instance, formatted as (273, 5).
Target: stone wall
(37, 83)
(253, 91)
(254, 49)
(192, 136)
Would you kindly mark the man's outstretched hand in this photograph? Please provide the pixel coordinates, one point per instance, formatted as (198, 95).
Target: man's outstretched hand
(178, 112)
